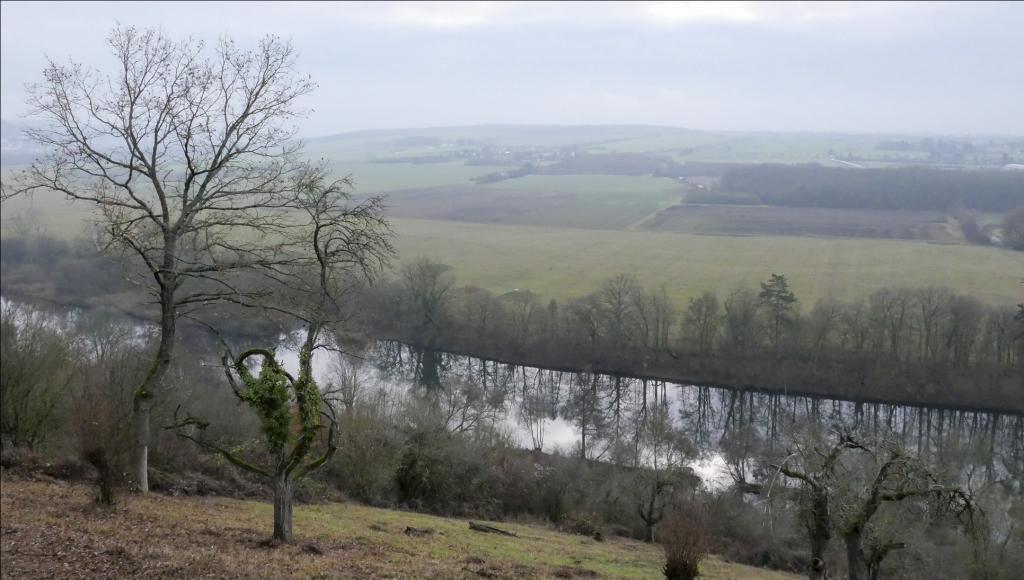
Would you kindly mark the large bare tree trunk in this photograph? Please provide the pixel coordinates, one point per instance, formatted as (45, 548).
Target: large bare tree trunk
(858, 569)
(283, 496)
(143, 403)
(650, 515)
(817, 569)
(820, 535)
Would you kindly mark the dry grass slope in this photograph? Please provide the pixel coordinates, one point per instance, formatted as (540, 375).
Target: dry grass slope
(50, 529)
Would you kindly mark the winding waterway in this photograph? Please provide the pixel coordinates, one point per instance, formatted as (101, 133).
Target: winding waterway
(569, 412)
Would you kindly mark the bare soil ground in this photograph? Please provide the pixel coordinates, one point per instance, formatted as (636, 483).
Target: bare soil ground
(51, 529)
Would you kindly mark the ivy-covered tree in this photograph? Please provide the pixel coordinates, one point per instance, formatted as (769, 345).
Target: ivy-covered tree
(341, 246)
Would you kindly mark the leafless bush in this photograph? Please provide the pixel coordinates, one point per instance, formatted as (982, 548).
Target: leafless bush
(106, 476)
(683, 533)
(112, 360)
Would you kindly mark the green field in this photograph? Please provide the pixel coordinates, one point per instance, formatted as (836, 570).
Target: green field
(575, 201)
(562, 235)
(380, 177)
(562, 262)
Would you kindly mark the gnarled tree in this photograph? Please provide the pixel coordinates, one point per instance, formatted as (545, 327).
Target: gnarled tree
(816, 469)
(846, 493)
(336, 247)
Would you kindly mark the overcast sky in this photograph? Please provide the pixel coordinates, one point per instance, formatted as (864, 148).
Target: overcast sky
(945, 68)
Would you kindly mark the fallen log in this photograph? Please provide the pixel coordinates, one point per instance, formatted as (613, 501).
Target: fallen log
(490, 529)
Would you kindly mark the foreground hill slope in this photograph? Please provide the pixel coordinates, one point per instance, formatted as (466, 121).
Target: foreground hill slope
(51, 529)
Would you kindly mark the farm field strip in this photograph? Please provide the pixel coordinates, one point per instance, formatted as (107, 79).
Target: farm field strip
(563, 262)
(799, 221)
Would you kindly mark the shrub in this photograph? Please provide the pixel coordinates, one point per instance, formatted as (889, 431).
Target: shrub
(581, 526)
(106, 474)
(448, 474)
(684, 536)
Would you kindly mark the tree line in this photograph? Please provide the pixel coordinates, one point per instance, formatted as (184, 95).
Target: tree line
(443, 448)
(924, 345)
(906, 188)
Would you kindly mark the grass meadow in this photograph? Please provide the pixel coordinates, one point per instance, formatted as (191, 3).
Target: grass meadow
(564, 262)
(573, 201)
(176, 537)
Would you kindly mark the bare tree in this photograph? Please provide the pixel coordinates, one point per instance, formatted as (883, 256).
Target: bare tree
(584, 407)
(742, 330)
(583, 319)
(816, 469)
(654, 317)
(846, 494)
(426, 295)
(617, 298)
(701, 322)
(37, 367)
(187, 156)
(481, 313)
(823, 322)
(663, 454)
(931, 305)
(521, 307)
(347, 246)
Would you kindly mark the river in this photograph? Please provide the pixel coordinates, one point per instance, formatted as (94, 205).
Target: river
(558, 411)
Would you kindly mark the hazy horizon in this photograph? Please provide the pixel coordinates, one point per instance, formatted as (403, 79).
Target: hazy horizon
(920, 68)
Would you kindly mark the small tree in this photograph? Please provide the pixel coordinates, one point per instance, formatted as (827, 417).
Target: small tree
(662, 456)
(701, 322)
(585, 407)
(37, 366)
(340, 246)
(617, 298)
